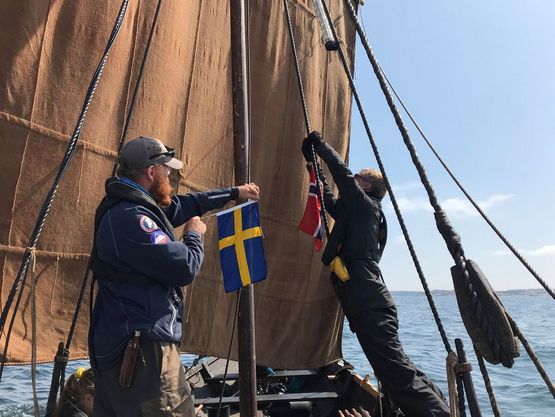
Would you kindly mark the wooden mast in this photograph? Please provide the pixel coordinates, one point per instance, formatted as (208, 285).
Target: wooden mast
(246, 339)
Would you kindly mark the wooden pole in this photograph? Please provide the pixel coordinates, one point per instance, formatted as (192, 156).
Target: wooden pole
(246, 339)
(467, 380)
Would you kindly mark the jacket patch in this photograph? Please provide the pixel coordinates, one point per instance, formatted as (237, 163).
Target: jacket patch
(147, 224)
(159, 238)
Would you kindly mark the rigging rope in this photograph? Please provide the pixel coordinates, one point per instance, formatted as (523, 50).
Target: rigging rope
(138, 82)
(533, 356)
(58, 377)
(122, 140)
(318, 168)
(468, 196)
(452, 239)
(450, 236)
(487, 383)
(452, 385)
(404, 229)
(382, 79)
(49, 200)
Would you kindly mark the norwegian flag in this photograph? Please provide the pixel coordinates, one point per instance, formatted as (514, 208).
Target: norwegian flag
(311, 223)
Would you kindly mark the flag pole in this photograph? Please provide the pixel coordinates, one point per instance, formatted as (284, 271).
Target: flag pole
(246, 339)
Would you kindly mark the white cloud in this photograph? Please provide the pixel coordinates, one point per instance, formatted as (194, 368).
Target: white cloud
(407, 186)
(453, 206)
(547, 250)
(494, 200)
(410, 205)
(458, 206)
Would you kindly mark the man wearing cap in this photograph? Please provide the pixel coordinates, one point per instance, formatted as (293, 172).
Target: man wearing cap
(140, 266)
(353, 252)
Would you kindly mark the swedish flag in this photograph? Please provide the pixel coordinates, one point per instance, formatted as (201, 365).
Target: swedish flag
(241, 250)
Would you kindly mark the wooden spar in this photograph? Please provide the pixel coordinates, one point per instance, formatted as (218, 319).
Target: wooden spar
(473, 405)
(246, 339)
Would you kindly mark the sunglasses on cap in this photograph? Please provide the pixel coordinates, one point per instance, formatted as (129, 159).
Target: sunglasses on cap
(169, 153)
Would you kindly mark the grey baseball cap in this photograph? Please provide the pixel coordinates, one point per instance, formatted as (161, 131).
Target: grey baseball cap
(144, 151)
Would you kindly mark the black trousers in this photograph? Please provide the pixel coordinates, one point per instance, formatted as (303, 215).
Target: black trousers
(372, 316)
(408, 387)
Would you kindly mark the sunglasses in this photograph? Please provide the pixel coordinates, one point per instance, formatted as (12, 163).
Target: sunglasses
(170, 152)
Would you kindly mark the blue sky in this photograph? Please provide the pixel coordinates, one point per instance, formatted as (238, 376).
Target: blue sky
(479, 77)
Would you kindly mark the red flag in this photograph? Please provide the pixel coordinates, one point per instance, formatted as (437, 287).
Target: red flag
(311, 223)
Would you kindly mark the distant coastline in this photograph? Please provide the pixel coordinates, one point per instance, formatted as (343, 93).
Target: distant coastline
(530, 291)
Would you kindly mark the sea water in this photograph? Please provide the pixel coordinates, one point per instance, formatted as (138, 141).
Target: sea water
(520, 391)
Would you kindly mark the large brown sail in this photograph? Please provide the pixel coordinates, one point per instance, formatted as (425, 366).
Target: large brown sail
(49, 51)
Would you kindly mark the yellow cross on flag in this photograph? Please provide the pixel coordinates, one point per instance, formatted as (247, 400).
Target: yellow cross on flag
(240, 242)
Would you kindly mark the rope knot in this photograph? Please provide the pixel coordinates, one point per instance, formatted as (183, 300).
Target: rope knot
(31, 250)
(452, 361)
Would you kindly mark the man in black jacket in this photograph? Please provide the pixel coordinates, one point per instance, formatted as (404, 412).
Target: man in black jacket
(357, 241)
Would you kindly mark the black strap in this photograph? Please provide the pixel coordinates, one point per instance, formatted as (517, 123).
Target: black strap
(317, 168)
(103, 271)
(117, 191)
(382, 235)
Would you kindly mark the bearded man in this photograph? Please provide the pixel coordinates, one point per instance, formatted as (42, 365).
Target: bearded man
(140, 267)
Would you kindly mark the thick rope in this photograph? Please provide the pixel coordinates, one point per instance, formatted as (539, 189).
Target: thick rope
(122, 140)
(404, 229)
(297, 67)
(78, 305)
(451, 237)
(318, 170)
(533, 356)
(467, 194)
(138, 82)
(454, 245)
(80, 299)
(487, 383)
(47, 204)
(43, 362)
(451, 361)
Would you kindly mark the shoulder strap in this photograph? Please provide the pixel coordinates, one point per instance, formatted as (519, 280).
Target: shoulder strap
(382, 234)
(115, 193)
(103, 271)
(118, 190)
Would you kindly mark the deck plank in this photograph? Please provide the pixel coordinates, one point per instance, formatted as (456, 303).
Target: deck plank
(272, 398)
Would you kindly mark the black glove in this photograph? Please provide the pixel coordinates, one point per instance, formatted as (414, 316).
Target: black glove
(314, 139)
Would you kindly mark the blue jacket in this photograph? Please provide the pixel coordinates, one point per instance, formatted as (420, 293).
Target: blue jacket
(143, 265)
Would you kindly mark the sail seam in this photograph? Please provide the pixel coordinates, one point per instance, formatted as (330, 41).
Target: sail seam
(190, 83)
(53, 134)
(18, 250)
(30, 117)
(132, 60)
(304, 8)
